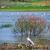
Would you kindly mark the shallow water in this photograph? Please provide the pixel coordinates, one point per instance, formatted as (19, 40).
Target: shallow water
(7, 34)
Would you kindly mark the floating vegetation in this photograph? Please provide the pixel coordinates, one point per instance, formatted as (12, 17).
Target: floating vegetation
(6, 25)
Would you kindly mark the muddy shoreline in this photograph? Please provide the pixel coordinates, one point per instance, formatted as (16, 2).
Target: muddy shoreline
(21, 47)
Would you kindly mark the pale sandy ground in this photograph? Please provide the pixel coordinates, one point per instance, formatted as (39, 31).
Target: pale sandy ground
(41, 3)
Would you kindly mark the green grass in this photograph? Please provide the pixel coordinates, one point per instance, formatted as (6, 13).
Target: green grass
(35, 8)
(19, 6)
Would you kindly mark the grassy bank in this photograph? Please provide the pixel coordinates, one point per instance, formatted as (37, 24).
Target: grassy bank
(35, 8)
(23, 6)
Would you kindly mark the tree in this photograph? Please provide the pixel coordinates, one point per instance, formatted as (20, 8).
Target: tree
(31, 25)
(22, 26)
(36, 26)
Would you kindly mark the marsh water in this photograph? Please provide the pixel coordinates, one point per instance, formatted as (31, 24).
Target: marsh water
(7, 34)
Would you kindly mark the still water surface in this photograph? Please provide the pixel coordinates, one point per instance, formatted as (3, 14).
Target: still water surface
(7, 34)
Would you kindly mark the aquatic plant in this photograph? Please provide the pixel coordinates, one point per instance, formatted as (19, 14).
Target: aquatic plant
(6, 25)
